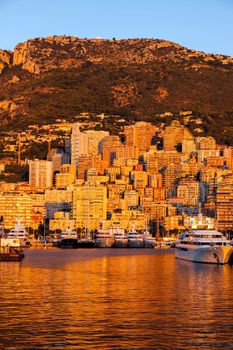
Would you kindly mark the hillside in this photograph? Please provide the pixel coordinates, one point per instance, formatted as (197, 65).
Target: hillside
(47, 78)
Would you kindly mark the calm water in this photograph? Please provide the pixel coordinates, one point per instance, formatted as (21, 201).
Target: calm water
(114, 299)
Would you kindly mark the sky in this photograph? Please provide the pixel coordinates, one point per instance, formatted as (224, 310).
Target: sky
(203, 25)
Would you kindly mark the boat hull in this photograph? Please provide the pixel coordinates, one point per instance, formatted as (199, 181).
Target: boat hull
(11, 254)
(86, 243)
(149, 244)
(104, 242)
(69, 243)
(120, 243)
(210, 255)
(135, 243)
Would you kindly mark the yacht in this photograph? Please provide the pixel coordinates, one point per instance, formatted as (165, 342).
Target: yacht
(68, 239)
(148, 240)
(20, 233)
(86, 241)
(135, 239)
(104, 238)
(204, 245)
(120, 237)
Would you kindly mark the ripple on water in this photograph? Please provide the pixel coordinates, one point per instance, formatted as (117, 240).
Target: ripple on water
(114, 299)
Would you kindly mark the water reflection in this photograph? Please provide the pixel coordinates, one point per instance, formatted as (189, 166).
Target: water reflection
(114, 299)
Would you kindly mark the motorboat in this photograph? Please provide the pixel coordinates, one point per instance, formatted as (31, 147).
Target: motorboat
(148, 240)
(120, 237)
(11, 249)
(20, 233)
(68, 239)
(104, 238)
(204, 245)
(135, 239)
(86, 241)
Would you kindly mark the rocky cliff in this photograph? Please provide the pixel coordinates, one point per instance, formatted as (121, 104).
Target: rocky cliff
(46, 78)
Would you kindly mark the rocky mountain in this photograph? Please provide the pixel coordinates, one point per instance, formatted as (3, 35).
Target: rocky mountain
(48, 78)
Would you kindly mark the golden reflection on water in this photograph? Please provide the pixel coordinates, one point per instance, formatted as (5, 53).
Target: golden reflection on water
(111, 299)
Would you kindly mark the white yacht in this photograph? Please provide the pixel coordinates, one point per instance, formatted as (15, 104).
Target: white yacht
(148, 240)
(104, 238)
(135, 239)
(68, 239)
(204, 245)
(19, 232)
(120, 237)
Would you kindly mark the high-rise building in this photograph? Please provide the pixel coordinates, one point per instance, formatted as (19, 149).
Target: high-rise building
(207, 143)
(79, 144)
(66, 176)
(87, 143)
(152, 163)
(87, 161)
(225, 203)
(58, 157)
(15, 205)
(166, 158)
(174, 135)
(140, 135)
(89, 205)
(109, 147)
(228, 156)
(40, 174)
(139, 179)
(94, 141)
(131, 198)
(188, 146)
(189, 192)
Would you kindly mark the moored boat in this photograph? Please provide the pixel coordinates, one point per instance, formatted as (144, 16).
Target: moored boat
(148, 240)
(19, 232)
(135, 239)
(86, 241)
(204, 245)
(120, 237)
(11, 250)
(104, 238)
(69, 239)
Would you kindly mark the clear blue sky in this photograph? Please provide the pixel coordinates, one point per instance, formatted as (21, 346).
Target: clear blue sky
(205, 25)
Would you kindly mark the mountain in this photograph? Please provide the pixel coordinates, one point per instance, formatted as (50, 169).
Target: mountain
(59, 76)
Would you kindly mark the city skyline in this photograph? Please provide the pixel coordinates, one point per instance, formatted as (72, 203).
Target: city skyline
(203, 26)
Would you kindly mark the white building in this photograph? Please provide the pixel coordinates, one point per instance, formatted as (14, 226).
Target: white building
(85, 143)
(40, 173)
(79, 143)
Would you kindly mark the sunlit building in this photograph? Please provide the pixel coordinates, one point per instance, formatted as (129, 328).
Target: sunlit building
(40, 174)
(89, 206)
(14, 205)
(225, 203)
(140, 135)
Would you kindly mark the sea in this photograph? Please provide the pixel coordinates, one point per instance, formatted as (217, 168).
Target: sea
(114, 299)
